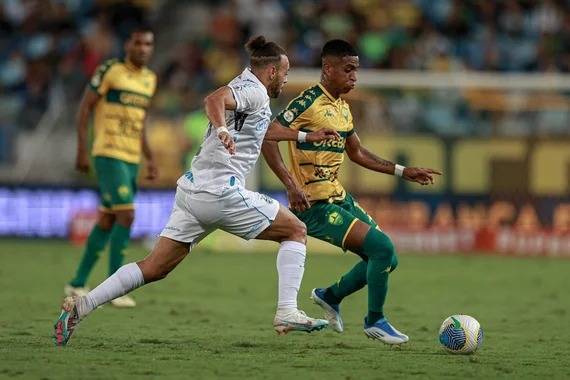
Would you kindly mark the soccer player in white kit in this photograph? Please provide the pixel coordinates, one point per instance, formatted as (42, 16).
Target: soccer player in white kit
(212, 196)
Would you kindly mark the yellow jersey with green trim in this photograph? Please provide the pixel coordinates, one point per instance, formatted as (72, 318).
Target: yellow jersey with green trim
(125, 92)
(315, 166)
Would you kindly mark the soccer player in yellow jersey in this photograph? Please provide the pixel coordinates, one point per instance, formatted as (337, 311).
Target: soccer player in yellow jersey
(118, 94)
(320, 201)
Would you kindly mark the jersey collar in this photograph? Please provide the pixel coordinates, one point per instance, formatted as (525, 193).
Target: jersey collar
(250, 75)
(332, 98)
(130, 66)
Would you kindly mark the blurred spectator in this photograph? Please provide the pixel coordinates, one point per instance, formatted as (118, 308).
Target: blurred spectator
(45, 41)
(195, 126)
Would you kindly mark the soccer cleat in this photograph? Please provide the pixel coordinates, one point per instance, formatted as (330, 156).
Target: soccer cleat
(78, 291)
(384, 331)
(296, 320)
(332, 311)
(67, 321)
(124, 302)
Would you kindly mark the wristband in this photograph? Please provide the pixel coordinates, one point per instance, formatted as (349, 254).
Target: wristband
(399, 170)
(302, 137)
(221, 129)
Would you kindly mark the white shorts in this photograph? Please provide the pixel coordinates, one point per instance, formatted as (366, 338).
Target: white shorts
(238, 211)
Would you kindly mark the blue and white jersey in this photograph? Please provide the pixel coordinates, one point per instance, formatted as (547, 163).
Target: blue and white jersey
(213, 168)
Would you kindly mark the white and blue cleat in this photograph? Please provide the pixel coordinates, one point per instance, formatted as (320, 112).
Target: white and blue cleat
(332, 311)
(296, 320)
(382, 330)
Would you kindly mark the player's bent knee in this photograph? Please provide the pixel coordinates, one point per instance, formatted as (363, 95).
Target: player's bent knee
(126, 217)
(394, 263)
(298, 232)
(106, 221)
(378, 246)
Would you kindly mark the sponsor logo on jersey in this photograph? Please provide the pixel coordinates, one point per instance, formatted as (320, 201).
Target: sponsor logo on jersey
(330, 143)
(133, 100)
(266, 198)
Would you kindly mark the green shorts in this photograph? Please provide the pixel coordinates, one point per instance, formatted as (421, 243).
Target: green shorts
(331, 222)
(117, 181)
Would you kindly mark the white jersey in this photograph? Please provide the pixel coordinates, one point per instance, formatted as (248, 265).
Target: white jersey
(213, 168)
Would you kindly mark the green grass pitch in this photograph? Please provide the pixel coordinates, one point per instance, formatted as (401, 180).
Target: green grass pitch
(211, 318)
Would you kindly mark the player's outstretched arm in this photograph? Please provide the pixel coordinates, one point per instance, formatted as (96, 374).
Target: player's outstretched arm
(86, 106)
(277, 132)
(215, 106)
(363, 157)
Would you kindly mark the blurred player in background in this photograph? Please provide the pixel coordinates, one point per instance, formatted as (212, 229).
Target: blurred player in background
(119, 94)
(320, 201)
(212, 196)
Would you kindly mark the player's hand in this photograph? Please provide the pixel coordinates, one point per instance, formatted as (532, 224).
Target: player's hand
(323, 134)
(297, 199)
(228, 142)
(151, 171)
(423, 176)
(82, 162)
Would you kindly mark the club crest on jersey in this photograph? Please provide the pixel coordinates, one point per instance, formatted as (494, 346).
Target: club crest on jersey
(123, 191)
(262, 125)
(335, 218)
(96, 80)
(288, 116)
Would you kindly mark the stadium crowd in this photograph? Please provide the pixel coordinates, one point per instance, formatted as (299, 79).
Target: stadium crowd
(44, 41)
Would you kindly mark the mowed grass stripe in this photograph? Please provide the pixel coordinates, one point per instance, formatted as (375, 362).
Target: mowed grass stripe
(212, 319)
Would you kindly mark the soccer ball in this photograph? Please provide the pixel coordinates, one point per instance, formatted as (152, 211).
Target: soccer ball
(461, 334)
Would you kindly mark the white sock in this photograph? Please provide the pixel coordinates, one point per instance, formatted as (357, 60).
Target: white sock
(126, 279)
(290, 268)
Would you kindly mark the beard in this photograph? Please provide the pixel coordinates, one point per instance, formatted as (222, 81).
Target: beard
(274, 93)
(274, 88)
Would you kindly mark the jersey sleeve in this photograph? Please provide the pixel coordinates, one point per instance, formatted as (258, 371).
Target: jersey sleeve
(296, 112)
(100, 81)
(290, 116)
(248, 96)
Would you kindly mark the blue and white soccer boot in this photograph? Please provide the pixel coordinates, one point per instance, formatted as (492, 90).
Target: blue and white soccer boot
(296, 320)
(332, 311)
(384, 331)
(67, 321)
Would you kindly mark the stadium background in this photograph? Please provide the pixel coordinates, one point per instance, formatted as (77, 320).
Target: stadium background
(479, 90)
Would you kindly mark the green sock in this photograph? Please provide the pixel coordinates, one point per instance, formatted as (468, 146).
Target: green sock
(95, 244)
(380, 251)
(349, 283)
(377, 291)
(119, 241)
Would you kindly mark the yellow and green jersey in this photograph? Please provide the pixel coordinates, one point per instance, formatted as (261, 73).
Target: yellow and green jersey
(125, 92)
(315, 166)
